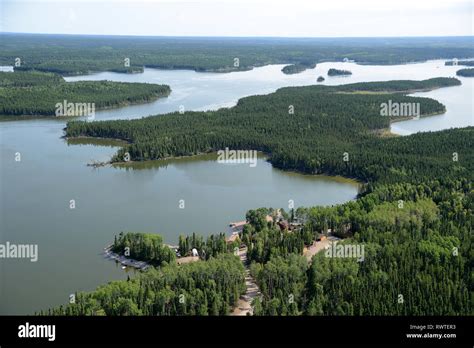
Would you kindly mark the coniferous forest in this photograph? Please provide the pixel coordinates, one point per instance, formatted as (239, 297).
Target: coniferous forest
(297, 68)
(200, 288)
(338, 72)
(465, 72)
(332, 130)
(33, 93)
(414, 213)
(204, 172)
(142, 246)
(75, 55)
(418, 256)
(418, 261)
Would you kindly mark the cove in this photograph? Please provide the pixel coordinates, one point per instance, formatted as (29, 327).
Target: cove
(144, 197)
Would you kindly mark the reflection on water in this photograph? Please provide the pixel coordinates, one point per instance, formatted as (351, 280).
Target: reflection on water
(96, 141)
(35, 196)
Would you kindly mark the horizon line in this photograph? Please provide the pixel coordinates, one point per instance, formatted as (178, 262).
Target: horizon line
(239, 37)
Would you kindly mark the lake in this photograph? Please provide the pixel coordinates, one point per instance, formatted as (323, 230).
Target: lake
(209, 91)
(36, 191)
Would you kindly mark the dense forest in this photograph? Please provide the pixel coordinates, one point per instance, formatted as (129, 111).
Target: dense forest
(418, 260)
(75, 54)
(143, 246)
(338, 72)
(37, 94)
(332, 131)
(418, 256)
(29, 79)
(465, 72)
(214, 245)
(199, 288)
(297, 68)
(414, 214)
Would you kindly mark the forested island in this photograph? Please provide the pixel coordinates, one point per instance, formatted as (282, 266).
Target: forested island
(328, 121)
(34, 93)
(465, 72)
(77, 55)
(320, 79)
(414, 214)
(297, 68)
(338, 72)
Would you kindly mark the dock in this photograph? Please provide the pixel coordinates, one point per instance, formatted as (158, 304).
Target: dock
(97, 164)
(124, 261)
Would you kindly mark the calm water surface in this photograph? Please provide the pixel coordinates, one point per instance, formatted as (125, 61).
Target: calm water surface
(35, 192)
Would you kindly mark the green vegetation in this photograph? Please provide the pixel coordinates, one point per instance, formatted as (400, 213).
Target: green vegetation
(325, 126)
(37, 94)
(29, 79)
(265, 240)
(150, 248)
(417, 261)
(297, 68)
(465, 72)
(281, 280)
(213, 246)
(461, 62)
(143, 246)
(418, 256)
(74, 54)
(200, 288)
(397, 86)
(414, 215)
(337, 72)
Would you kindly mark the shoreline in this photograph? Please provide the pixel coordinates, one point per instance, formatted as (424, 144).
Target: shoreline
(73, 118)
(409, 91)
(265, 156)
(384, 133)
(86, 137)
(226, 70)
(408, 118)
(124, 261)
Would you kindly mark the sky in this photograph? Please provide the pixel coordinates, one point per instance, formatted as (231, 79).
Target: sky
(281, 18)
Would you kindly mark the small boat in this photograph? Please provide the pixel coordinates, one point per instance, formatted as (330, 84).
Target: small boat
(123, 267)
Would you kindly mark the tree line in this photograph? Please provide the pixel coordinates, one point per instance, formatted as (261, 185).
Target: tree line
(297, 68)
(338, 72)
(214, 245)
(465, 72)
(199, 288)
(418, 256)
(143, 246)
(460, 62)
(73, 55)
(37, 94)
(414, 214)
(314, 129)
